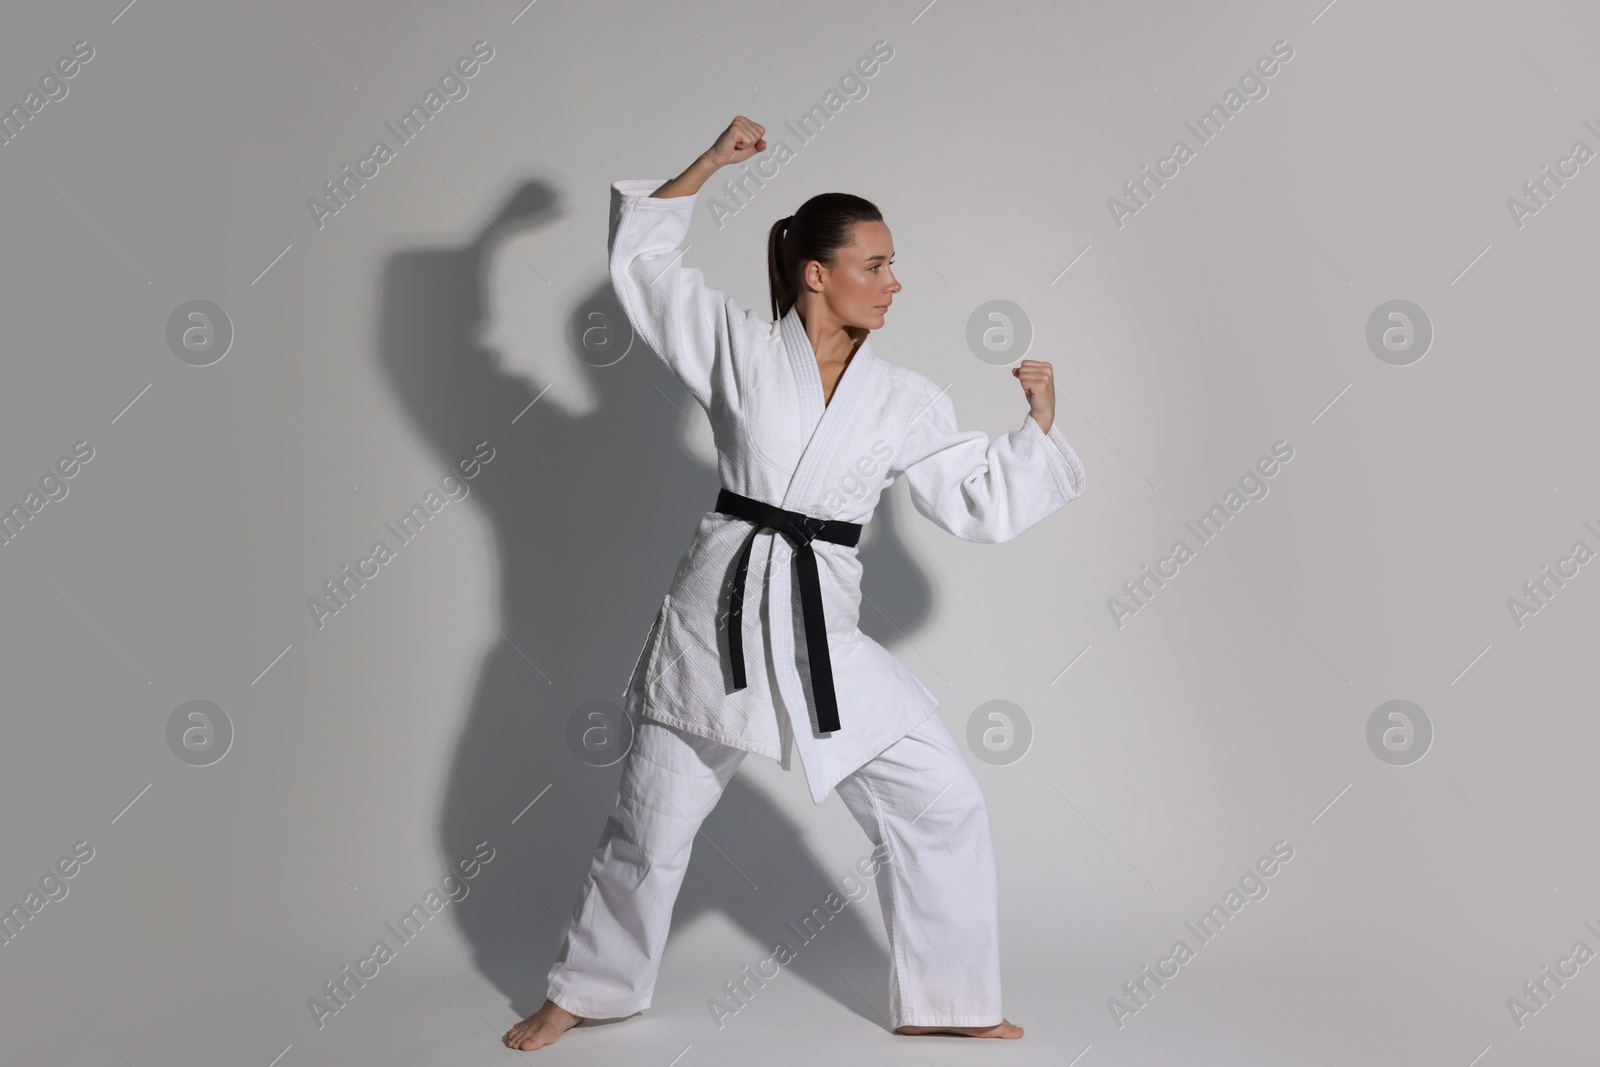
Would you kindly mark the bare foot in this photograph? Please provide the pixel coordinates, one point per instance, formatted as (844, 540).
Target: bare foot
(541, 1028)
(1001, 1029)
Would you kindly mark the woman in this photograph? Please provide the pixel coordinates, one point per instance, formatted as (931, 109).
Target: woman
(810, 428)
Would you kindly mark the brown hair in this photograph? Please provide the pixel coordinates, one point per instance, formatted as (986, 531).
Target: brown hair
(823, 225)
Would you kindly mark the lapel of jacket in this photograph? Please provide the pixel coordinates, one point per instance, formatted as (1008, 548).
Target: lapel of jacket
(831, 419)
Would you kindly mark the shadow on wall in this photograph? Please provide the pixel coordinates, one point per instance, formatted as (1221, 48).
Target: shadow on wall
(590, 516)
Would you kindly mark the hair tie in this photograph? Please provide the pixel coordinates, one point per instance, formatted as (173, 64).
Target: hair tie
(786, 222)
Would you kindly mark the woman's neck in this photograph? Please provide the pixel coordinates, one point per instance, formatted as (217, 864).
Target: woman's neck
(832, 341)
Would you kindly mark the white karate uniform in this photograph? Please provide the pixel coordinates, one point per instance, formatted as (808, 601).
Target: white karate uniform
(918, 801)
(892, 760)
(778, 442)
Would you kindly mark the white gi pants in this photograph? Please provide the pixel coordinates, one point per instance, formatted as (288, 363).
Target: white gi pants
(937, 891)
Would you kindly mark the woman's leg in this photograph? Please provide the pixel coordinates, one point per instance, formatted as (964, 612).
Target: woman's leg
(612, 950)
(938, 890)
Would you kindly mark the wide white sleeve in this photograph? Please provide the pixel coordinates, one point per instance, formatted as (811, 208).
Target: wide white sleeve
(684, 321)
(983, 490)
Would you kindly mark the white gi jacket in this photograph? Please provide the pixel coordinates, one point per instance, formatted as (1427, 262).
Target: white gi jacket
(779, 443)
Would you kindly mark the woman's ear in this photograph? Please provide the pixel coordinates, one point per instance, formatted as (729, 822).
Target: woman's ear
(811, 276)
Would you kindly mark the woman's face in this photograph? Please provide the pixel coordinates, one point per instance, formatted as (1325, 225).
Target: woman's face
(860, 285)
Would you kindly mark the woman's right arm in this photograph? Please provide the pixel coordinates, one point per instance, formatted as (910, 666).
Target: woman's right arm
(684, 321)
(741, 140)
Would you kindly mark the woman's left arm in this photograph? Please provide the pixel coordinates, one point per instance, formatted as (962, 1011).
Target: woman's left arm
(983, 490)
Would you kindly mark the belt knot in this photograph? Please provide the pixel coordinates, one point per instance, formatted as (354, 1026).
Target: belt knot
(805, 528)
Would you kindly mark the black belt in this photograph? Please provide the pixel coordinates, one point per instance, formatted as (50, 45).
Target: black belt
(800, 530)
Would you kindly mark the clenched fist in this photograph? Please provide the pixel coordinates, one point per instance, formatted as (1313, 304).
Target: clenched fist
(741, 140)
(1039, 385)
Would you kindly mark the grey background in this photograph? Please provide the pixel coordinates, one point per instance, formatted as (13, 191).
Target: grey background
(371, 755)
